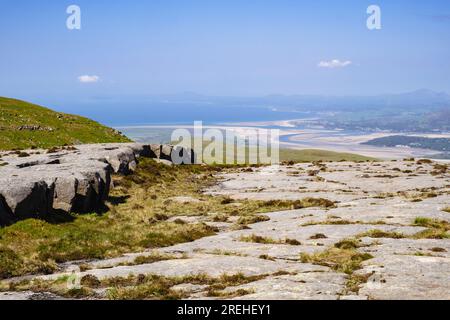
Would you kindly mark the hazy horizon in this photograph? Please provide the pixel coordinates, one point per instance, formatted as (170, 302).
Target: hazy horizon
(231, 48)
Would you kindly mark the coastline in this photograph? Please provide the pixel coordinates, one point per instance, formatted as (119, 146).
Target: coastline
(292, 137)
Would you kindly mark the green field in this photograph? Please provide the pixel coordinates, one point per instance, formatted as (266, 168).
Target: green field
(293, 155)
(230, 152)
(310, 155)
(24, 125)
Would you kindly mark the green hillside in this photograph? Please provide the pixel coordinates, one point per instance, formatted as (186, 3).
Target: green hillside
(24, 125)
(309, 155)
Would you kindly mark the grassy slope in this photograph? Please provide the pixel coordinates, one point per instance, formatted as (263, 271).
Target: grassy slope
(67, 129)
(295, 155)
(309, 155)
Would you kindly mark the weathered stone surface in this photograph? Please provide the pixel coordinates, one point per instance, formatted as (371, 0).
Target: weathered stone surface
(399, 277)
(6, 217)
(302, 286)
(211, 265)
(156, 150)
(190, 288)
(28, 295)
(69, 180)
(341, 181)
(16, 295)
(26, 198)
(383, 196)
(166, 152)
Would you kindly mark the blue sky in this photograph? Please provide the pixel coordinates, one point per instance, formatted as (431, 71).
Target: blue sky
(221, 47)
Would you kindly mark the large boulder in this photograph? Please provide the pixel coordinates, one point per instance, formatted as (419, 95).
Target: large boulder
(64, 193)
(166, 152)
(26, 198)
(6, 216)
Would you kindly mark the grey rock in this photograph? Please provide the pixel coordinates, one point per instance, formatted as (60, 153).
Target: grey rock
(166, 152)
(211, 265)
(6, 217)
(17, 296)
(29, 295)
(25, 198)
(406, 268)
(190, 288)
(304, 286)
(69, 180)
(156, 150)
(399, 277)
(165, 162)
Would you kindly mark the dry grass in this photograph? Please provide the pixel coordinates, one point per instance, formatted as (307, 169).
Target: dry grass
(139, 287)
(437, 229)
(318, 236)
(355, 281)
(330, 221)
(244, 220)
(266, 257)
(348, 244)
(158, 287)
(151, 258)
(266, 240)
(439, 169)
(300, 204)
(381, 234)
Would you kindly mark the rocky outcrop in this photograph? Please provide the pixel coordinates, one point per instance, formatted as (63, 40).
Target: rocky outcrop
(374, 219)
(71, 179)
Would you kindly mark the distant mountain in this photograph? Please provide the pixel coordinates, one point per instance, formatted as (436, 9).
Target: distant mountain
(422, 97)
(25, 125)
(438, 144)
(411, 100)
(419, 111)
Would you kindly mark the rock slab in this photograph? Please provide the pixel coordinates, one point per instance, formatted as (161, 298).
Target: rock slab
(75, 179)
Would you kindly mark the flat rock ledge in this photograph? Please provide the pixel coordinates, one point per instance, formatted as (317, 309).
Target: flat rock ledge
(40, 183)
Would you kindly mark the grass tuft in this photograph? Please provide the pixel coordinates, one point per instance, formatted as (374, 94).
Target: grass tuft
(437, 229)
(340, 260)
(381, 234)
(244, 220)
(266, 240)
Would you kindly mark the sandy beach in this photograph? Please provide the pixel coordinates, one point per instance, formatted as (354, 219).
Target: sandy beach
(294, 138)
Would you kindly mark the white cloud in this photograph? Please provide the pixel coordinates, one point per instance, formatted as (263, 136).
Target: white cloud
(335, 63)
(88, 79)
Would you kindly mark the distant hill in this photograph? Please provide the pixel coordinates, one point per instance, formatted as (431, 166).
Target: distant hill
(24, 125)
(438, 144)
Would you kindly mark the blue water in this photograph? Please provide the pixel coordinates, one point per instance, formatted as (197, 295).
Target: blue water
(113, 114)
